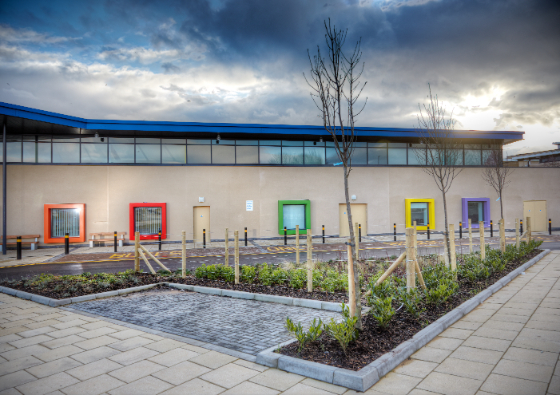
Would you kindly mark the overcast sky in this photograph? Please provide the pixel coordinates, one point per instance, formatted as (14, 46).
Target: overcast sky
(495, 63)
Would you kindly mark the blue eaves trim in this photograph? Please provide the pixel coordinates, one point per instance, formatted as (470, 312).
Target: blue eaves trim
(225, 128)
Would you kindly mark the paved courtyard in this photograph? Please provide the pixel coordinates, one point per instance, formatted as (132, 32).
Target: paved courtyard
(247, 326)
(509, 345)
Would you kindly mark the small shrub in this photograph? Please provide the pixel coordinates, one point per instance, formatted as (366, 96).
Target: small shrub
(412, 301)
(200, 272)
(163, 272)
(265, 274)
(298, 278)
(303, 337)
(248, 274)
(443, 291)
(382, 310)
(343, 332)
(227, 273)
(279, 276)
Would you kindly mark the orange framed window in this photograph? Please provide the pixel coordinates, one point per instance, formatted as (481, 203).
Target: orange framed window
(60, 219)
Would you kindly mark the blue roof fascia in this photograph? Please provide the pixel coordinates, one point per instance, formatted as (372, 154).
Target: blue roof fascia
(226, 128)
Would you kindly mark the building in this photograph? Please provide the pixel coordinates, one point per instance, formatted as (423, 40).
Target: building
(550, 158)
(68, 174)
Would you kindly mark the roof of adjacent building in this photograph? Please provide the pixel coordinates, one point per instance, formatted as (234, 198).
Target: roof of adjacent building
(13, 110)
(535, 155)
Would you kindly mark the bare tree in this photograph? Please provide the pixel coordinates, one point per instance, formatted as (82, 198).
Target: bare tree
(336, 89)
(496, 175)
(442, 152)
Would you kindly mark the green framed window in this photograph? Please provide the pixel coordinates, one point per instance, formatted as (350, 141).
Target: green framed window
(292, 213)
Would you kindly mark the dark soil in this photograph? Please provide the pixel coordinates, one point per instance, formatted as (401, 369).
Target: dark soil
(373, 341)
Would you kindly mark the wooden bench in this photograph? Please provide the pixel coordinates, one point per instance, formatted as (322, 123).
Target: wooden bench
(106, 237)
(33, 243)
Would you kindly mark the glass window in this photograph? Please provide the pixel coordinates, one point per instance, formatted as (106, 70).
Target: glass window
(199, 154)
(224, 142)
(359, 156)
(486, 157)
(416, 156)
(314, 143)
(358, 144)
(476, 212)
(434, 157)
(95, 140)
(377, 145)
(290, 143)
(294, 214)
(173, 141)
(147, 141)
(65, 220)
(121, 153)
(29, 152)
(472, 157)
(66, 153)
(66, 139)
(377, 156)
(329, 143)
(197, 141)
(332, 156)
(174, 154)
(472, 146)
(13, 151)
(455, 157)
(419, 213)
(397, 156)
(247, 142)
(148, 153)
(314, 155)
(292, 155)
(397, 145)
(270, 155)
(121, 140)
(94, 153)
(223, 154)
(270, 142)
(147, 220)
(247, 155)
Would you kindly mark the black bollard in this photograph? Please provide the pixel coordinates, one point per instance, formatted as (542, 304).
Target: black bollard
(550, 226)
(428, 228)
(67, 243)
(159, 240)
(203, 238)
(359, 233)
(491, 229)
(460, 230)
(521, 226)
(394, 232)
(323, 234)
(285, 236)
(18, 247)
(115, 241)
(245, 236)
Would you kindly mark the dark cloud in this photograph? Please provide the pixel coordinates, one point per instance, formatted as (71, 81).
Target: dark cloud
(170, 67)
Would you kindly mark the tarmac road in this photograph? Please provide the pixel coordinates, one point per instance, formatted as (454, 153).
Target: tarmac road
(193, 263)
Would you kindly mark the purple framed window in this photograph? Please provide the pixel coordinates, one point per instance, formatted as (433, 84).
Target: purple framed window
(476, 209)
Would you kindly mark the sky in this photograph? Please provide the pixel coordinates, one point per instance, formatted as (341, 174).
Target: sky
(494, 64)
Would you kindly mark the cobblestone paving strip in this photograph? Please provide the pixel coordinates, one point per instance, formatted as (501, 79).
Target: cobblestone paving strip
(242, 325)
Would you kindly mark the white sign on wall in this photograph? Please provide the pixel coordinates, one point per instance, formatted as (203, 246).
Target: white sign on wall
(249, 205)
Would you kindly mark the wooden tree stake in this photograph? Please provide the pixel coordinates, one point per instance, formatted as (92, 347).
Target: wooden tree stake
(517, 233)
(390, 269)
(470, 236)
(415, 238)
(309, 262)
(410, 259)
(147, 262)
(226, 260)
(236, 241)
(482, 244)
(419, 273)
(154, 258)
(351, 291)
(297, 246)
(503, 235)
(136, 256)
(452, 247)
(184, 254)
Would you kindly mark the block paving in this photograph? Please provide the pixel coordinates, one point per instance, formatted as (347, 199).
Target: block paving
(508, 345)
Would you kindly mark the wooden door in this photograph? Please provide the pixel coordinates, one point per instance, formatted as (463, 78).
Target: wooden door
(359, 215)
(536, 209)
(201, 221)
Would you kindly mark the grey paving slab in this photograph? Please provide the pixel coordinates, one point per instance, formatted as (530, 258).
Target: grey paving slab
(243, 325)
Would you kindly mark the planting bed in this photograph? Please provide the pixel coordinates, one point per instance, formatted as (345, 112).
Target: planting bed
(374, 341)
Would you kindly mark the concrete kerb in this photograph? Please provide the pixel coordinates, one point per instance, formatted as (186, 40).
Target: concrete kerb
(373, 372)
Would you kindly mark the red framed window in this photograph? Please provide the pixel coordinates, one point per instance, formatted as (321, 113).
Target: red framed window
(148, 219)
(60, 219)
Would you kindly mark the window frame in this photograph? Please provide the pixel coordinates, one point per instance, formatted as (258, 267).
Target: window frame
(163, 207)
(48, 239)
(431, 213)
(465, 214)
(306, 203)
